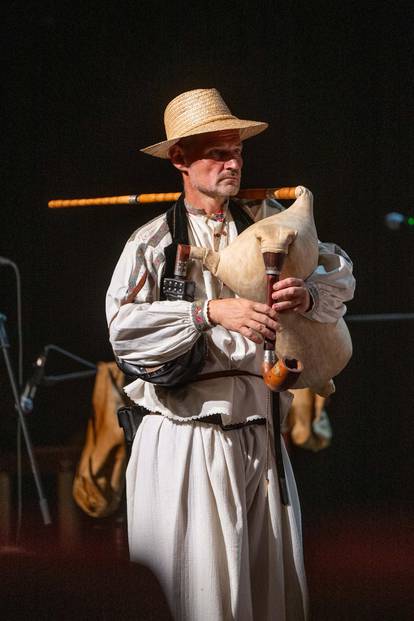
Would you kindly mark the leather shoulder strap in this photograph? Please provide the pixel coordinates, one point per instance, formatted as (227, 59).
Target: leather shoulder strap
(241, 219)
(177, 221)
(177, 224)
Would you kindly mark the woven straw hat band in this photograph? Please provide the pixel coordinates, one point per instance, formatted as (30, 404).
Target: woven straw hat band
(196, 112)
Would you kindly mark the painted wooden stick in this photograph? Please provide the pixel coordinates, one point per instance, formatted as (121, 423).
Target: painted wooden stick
(138, 199)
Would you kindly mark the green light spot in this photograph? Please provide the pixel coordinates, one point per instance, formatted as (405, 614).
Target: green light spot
(410, 221)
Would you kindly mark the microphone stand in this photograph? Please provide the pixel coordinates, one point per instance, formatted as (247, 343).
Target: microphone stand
(51, 380)
(4, 344)
(379, 317)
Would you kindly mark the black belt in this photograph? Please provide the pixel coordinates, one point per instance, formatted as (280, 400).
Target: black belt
(130, 417)
(215, 419)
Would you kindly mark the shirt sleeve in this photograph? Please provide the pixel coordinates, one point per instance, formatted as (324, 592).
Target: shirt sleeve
(142, 329)
(331, 284)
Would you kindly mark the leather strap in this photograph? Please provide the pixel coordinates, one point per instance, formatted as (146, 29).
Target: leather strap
(241, 218)
(177, 224)
(228, 373)
(215, 419)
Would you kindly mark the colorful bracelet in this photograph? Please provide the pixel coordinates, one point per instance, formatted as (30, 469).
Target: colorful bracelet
(199, 314)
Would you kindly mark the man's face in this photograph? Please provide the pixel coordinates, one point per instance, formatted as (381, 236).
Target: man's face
(213, 163)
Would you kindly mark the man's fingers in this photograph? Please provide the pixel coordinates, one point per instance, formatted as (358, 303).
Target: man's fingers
(253, 320)
(261, 329)
(291, 293)
(250, 334)
(264, 309)
(265, 320)
(291, 298)
(288, 282)
(288, 305)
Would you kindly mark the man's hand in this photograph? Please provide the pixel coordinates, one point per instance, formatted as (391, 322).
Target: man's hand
(253, 320)
(291, 294)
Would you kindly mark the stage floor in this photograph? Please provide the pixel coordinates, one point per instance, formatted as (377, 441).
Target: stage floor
(359, 564)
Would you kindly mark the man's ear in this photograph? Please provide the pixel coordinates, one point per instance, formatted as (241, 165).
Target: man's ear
(177, 157)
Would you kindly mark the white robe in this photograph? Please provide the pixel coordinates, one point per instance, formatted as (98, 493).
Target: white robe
(201, 514)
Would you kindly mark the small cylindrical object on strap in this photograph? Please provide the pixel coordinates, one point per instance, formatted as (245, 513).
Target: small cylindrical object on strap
(181, 261)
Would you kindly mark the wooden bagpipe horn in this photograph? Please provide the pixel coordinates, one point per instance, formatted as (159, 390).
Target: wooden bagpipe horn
(285, 193)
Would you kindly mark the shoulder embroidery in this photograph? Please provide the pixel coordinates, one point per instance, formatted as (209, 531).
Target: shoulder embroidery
(134, 292)
(158, 235)
(149, 236)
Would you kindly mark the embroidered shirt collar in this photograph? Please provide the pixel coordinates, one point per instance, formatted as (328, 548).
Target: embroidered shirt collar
(218, 217)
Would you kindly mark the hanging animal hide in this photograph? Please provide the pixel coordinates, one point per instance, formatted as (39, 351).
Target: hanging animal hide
(100, 476)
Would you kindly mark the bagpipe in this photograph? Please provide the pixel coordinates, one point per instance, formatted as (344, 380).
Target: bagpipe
(306, 353)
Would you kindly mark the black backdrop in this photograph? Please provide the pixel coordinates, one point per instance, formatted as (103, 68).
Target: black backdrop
(84, 87)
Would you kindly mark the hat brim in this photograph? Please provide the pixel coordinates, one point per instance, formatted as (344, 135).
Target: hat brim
(247, 129)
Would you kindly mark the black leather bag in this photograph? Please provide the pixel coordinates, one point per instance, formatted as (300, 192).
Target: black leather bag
(173, 373)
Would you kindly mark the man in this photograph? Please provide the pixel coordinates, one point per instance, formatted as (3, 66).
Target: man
(204, 509)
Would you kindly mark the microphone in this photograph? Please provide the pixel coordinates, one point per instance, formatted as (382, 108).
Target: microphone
(395, 220)
(28, 394)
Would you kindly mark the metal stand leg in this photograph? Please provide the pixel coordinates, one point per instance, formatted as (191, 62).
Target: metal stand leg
(5, 510)
(4, 344)
(68, 513)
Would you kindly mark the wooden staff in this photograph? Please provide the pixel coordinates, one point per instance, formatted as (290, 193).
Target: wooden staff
(137, 199)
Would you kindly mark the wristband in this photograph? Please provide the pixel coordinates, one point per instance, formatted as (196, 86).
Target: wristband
(199, 314)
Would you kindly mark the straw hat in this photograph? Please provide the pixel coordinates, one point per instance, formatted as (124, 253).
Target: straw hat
(198, 112)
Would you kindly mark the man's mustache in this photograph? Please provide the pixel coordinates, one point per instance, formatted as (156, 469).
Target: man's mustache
(233, 175)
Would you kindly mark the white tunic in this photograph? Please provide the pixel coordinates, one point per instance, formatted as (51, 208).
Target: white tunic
(204, 509)
(152, 332)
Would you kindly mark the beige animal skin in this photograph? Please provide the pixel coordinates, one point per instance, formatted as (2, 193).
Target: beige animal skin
(323, 348)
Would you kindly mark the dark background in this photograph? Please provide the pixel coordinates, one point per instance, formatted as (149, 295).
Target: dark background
(85, 85)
